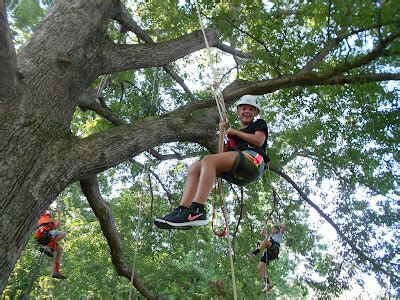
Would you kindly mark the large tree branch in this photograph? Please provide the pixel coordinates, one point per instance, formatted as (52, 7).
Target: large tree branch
(125, 57)
(104, 150)
(364, 59)
(90, 188)
(127, 23)
(376, 265)
(241, 87)
(172, 156)
(8, 61)
(109, 148)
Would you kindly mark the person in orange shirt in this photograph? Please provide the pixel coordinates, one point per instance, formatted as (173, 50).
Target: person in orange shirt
(49, 237)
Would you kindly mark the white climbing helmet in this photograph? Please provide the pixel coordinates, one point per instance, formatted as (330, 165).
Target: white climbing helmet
(250, 100)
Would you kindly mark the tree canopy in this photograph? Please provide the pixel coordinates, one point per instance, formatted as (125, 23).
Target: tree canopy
(103, 105)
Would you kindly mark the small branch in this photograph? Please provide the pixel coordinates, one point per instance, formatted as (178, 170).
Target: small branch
(329, 46)
(88, 101)
(231, 50)
(329, 20)
(361, 78)
(262, 43)
(364, 59)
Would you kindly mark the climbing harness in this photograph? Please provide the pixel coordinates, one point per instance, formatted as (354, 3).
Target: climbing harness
(215, 88)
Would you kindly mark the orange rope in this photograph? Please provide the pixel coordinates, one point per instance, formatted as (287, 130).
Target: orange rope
(214, 220)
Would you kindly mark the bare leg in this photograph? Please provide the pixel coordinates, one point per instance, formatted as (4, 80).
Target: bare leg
(59, 251)
(261, 271)
(211, 165)
(60, 236)
(192, 182)
(264, 244)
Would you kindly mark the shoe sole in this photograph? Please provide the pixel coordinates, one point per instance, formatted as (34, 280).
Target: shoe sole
(161, 223)
(189, 223)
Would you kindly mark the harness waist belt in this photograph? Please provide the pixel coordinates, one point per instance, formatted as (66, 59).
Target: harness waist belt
(257, 160)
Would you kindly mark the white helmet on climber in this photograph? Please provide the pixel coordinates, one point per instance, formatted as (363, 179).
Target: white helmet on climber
(250, 100)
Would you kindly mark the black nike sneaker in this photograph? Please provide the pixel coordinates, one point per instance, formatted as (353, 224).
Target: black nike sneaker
(162, 223)
(188, 217)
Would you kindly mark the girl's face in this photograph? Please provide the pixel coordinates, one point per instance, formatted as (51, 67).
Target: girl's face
(247, 113)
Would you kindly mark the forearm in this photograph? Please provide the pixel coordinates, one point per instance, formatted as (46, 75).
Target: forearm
(253, 139)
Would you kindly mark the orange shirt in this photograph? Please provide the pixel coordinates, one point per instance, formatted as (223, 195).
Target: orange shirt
(46, 219)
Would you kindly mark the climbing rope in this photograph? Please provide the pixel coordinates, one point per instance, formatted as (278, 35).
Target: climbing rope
(216, 90)
(215, 87)
(137, 238)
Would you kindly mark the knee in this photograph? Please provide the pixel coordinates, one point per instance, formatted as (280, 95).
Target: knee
(207, 160)
(59, 248)
(194, 168)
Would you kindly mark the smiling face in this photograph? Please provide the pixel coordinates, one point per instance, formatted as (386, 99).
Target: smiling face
(246, 113)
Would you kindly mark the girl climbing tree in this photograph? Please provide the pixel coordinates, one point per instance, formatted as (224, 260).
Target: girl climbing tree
(244, 162)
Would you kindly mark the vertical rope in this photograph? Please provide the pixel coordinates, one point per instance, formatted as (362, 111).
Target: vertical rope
(222, 113)
(140, 204)
(215, 86)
